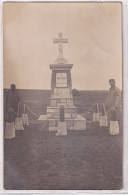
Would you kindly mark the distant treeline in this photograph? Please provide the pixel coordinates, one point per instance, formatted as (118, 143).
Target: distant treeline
(38, 100)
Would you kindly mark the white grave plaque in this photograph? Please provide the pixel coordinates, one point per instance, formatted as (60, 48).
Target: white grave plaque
(61, 79)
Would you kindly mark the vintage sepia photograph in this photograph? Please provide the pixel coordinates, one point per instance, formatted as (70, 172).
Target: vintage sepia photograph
(62, 96)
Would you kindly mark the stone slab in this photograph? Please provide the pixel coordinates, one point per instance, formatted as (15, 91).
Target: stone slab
(65, 93)
(114, 128)
(80, 117)
(63, 100)
(61, 104)
(70, 110)
(53, 103)
(70, 124)
(50, 116)
(70, 102)
(62, 93)
(53, 129)
(103, 121)
(53, 110)
(43, 117)
(57, 93)
(74, 115)
(56, 116)
(62, 129)
(67, 115)
(58, 100)
(80, 124)
(52, 123)
(96, 117)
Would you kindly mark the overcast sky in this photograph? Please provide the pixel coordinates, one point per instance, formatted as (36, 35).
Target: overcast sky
(94, 43)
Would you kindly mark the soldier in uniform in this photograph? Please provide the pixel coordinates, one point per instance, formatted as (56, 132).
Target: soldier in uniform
(11, 104)
(11, 111)
(113, 102)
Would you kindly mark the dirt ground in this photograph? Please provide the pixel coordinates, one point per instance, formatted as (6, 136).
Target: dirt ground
(83, 160)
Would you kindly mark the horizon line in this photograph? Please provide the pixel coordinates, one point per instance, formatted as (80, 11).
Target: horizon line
(50, 89)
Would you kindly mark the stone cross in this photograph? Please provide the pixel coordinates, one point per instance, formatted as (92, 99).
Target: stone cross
(60, 41)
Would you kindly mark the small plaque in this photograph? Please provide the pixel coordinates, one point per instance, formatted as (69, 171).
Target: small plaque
(61, 79)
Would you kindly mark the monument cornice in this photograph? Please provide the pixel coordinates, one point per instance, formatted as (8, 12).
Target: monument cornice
(61, 66)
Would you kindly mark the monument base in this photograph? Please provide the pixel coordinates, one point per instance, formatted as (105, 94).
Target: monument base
(62, 129)
(69, 112)
(78, 123)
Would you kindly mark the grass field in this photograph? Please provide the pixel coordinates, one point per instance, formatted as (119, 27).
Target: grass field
(83, 160)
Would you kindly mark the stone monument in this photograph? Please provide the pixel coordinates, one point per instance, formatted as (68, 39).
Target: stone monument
(61, 93)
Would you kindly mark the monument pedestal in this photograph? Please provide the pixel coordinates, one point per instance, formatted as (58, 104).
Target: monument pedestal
(78, 123)
(61, 94)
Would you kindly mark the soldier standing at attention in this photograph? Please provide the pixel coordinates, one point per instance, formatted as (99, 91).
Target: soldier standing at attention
(113, 102)
(12, 101)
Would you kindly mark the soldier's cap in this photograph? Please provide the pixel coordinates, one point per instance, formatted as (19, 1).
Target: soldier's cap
(13, 85)
(111, 80)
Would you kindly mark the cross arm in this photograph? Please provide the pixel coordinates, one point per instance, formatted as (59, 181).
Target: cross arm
(64, 40)
(55, 41)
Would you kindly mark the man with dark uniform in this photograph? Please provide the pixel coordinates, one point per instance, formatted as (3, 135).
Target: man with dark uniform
(11, 104)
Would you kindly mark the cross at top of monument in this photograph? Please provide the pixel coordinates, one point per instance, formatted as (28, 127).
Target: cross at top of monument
(60, 42)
